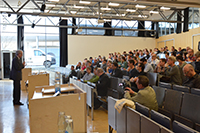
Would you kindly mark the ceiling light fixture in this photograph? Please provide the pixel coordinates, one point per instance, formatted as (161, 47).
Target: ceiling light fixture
(105, 8)
(73, 12)
(154, 12)
(113, 4)
(78, 7)
(130, 10)
(54, 0)
(84, 2)
(140, 6)
(165, 8)
(107, 20)
(142, 16)
(33, 25)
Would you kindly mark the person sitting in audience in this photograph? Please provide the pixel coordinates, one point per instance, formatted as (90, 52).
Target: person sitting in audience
(182, 63)
(162, 51)
(72, 73)
(145, 96)
(180, 52)
(91, 60)
(95, 64)
(147, 56)
(154, 61)
(115, 58)
(95, 78)
(190, 56)
(89, 64)
(148, 67)
(109, 67)
(135, 61)
(104, 65)
(173, 71)
(174, 51)
(88, 75)
(133, 72)
(161, 68)
(83, 67)
(119, 61)
(116, 71)
(78, 66)
(103, 83)
(193, 79)
(166, 56)
(197, 62)
(124, 63)
(141, 54)
(166, 49)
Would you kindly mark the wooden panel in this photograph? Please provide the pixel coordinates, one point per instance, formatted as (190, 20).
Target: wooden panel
(169, 44)
(160, 44)
(44, 112)
(36, 80)
(25, 73)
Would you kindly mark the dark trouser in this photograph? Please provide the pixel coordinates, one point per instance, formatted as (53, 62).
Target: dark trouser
(16, 91)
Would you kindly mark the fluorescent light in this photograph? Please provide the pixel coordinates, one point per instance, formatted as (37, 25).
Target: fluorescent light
(165, 8)
(54, 0)
(140, 6)
(113, 4)
(100, 13)
(123, 15)
(142, 16)
(84, 2)
(73, 12)
(130, 10)
(107, 20)
(50, 5)
(78, 6)
(64, 18)
(154, 12)
(105, 8)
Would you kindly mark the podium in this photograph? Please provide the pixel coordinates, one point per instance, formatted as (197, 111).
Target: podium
(44, 108)
(25, 73)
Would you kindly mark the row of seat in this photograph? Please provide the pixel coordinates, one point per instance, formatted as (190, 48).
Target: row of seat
(89, 89)
(179, 106)
(186, 89)
(137, 121)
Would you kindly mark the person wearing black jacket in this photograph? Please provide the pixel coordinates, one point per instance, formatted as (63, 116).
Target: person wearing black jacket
(116, 71)
(16, 76)
(133, 72)
(102, 86)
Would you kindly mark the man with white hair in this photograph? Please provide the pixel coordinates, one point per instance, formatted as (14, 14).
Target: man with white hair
(16, 76)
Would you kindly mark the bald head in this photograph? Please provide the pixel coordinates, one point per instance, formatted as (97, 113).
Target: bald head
(189, 71)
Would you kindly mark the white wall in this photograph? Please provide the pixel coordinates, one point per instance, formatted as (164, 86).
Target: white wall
(80, 47)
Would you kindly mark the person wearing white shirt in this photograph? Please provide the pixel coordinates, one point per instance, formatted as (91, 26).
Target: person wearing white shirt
(88, 75)
(154, 61)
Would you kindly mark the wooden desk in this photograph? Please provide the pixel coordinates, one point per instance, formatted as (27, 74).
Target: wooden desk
(44, 109)
(25, 73)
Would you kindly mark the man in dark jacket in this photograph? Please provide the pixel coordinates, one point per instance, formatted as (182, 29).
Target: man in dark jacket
(16, 76)
(103, 83)
(116, 71)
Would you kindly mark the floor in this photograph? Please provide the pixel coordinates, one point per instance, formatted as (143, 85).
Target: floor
(15, 119)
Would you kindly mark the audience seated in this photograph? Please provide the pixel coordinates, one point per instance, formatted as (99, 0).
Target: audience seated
(197, 62)
(173, 72)
(95, 64)
(88, 75)
(78, 66)
(161, 67)
(154, 61)
(193, 79)
(89, 64)
(182, 63)
(116, 71)
(103, 83)
(145, 96)
(109, 67)
(83, 67)
(190, 56)
(104, 65)
(124, 63)
(95, 78)
(148, 67)
(133, 72)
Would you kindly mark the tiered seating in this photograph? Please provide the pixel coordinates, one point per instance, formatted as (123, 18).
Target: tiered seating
(165, 85)
(180, 128)
(181, 88)
(160, 95)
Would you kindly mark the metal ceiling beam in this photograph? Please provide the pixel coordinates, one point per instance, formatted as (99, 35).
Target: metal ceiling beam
(35, 4)
(9, 6)
(86, 16)
(62, 7)
(100, 28)
(23, 6)
(171, 15)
